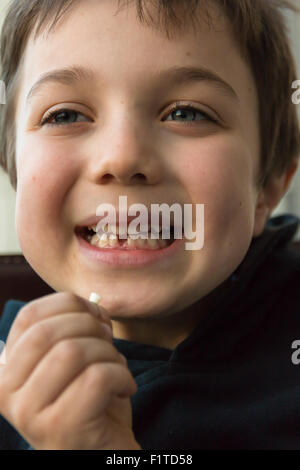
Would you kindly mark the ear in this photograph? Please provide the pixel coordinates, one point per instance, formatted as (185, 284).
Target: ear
(269, 197)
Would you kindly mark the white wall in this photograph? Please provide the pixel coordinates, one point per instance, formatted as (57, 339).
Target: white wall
(291, 201)
(8, 238)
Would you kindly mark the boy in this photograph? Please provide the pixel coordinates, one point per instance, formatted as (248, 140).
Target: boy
(196, 111)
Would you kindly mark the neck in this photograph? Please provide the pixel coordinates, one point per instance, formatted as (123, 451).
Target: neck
(165, 332)
(169, 331)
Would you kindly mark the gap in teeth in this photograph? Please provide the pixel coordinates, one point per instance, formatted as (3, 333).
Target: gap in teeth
(111, 229)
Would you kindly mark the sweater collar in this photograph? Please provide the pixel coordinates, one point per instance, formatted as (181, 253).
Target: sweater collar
(230, 296)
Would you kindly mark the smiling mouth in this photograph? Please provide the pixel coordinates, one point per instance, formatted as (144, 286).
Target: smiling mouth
(112, 241)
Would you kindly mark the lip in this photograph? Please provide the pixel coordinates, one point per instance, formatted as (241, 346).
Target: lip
(93, 220)
(128, 258)
(120, 217)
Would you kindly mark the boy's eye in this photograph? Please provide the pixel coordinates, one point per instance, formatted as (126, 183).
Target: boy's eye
(187, 114)
(180, 113)
(63, 117)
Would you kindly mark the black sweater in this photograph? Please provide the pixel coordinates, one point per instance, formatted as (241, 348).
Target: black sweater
(231, 384)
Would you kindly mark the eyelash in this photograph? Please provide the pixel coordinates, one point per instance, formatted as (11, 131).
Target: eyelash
(179, 105)
(53, 114)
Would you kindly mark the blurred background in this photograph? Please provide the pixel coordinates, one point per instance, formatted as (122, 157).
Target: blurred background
(8, 238)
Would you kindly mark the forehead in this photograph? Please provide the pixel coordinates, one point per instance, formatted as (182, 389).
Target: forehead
(124, 53)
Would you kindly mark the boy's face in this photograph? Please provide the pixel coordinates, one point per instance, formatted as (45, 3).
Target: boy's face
(126, 126)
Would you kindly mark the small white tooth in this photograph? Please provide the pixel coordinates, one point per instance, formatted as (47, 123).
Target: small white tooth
(103, 240)
(94, 240)
(152, 244)
(112, 229)
(141, 243)
(131, 242)
(113, 240)
(162, 243)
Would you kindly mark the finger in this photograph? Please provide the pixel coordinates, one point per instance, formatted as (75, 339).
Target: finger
(49, 306)
(41, 337)
(62, 365)
(92, 391)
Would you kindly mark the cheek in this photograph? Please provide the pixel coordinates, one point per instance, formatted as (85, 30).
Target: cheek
(219, 174)
(46, 172)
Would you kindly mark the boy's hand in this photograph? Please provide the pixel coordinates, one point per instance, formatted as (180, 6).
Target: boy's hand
(64, 384)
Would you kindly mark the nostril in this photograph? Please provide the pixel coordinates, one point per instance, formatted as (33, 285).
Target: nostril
(106, 178)
(140, 176)
(109, 177)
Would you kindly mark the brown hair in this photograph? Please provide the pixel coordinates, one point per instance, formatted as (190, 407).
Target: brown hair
(261, 35)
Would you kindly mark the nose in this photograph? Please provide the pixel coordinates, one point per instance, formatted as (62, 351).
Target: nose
(126, 157)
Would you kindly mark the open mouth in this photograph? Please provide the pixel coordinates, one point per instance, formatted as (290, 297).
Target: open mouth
(112, 240)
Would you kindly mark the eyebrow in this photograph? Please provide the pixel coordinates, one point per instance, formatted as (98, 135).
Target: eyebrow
(175, 75)
(66, 76)
(186, 75)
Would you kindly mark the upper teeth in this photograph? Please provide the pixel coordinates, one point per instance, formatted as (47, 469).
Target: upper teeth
(112, 240)
(111, 229)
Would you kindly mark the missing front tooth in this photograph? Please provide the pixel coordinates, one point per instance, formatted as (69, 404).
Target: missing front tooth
(86, 233)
